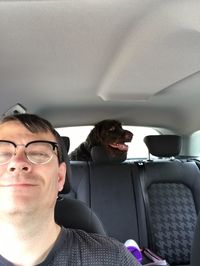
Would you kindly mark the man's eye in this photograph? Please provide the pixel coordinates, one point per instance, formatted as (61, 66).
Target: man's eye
(5, 154)
(38, 154)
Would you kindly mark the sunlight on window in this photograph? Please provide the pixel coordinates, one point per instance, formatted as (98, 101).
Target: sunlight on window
(137, 148)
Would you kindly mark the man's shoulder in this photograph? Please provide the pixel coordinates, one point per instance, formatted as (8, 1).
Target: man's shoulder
(97, 248)
(97, 240)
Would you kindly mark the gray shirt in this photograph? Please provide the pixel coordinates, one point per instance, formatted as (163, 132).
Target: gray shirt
(78, 248)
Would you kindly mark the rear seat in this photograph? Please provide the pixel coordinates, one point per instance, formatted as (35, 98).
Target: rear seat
(196, 244)
(108, 189)
(80, 181)
(81, 216)
(113, 199)
(155, 218)
(171, 192)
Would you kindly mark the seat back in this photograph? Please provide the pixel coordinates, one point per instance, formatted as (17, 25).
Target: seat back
(80, 181)
(195, 256)
(112, 197)
(154, 202)
(107, 187)
(73, 213)
(171, 192)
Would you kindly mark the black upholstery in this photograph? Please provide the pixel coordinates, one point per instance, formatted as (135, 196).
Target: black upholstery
(112, 198)
(195, 255)
(109, 190)
(154, 202)
(75, 214)
(163, 145)
(80, 181)
(66, 141)
(65, 147)
(100, 155)
(171, 191)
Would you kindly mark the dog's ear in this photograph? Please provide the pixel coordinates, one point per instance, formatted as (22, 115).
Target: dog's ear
(93, 139)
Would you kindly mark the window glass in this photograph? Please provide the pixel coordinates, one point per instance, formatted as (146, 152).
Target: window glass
(194, 144)
(137, 148)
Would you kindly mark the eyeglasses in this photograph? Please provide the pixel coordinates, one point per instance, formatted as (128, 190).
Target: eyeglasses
(37, 152)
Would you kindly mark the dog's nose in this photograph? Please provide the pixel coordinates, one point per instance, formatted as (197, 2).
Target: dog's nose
(128, 135)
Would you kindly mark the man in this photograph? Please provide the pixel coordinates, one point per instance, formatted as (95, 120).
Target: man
(31, 175)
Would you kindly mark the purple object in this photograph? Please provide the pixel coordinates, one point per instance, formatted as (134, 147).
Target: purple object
(133, 247)
(136, 253)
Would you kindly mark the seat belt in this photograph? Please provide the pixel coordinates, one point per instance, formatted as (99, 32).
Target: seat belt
(141, 167)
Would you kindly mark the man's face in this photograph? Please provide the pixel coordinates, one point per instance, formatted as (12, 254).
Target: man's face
(26, 187)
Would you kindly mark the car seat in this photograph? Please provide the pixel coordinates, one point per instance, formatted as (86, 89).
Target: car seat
(72, 213)
(171, 192)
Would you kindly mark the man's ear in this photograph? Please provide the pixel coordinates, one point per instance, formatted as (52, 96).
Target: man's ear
(61, 175)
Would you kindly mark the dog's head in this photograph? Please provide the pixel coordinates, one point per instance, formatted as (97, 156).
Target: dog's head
(110, 135)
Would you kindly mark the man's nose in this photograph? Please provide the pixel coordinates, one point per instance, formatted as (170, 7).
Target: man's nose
(19, 162)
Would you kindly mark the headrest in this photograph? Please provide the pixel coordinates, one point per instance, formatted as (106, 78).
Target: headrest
(72, 213)
(100, 155)
(163, 145)
(66, 142)
(65, 147)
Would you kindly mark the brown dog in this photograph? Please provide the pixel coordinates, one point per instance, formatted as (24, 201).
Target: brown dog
(108, 134)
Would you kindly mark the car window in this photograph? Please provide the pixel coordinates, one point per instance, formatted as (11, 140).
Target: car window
(137, 148)
(194, 144)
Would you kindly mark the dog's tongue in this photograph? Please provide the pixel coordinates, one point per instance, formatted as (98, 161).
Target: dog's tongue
(119, 146)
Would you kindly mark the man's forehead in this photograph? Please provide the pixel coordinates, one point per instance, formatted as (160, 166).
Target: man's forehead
(14, 129)
(11, 124)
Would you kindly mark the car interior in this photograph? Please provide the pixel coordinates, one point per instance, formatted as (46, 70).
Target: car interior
(76, 63)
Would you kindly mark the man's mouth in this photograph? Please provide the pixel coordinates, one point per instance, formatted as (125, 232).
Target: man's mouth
(18, 185)
(119, 146)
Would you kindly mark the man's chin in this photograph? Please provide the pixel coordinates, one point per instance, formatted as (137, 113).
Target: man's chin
(17, 204)
(14, 208)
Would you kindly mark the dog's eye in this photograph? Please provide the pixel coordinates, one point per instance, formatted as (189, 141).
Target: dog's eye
(112, 129)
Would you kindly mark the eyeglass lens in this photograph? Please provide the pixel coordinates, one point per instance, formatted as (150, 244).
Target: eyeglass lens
(36, 152)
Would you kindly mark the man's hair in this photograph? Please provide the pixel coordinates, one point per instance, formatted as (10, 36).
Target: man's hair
(36, 124)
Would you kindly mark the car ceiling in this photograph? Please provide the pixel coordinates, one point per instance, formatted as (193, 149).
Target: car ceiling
(77, 62)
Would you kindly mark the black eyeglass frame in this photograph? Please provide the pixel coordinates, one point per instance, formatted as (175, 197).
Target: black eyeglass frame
(52, 143)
